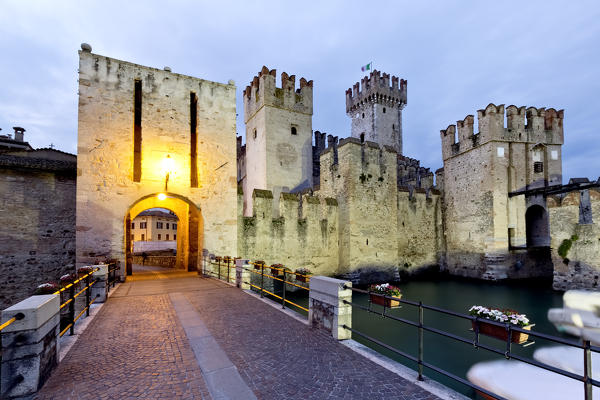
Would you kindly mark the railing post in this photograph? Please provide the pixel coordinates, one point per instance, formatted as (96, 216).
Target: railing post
(87, 295)
(242, 274)
(227, 261)
(283, 296)
(508, 341)
(219, 263)
(30, 344)
(420, 341)
(262, 278)
(72, 310)
(587, 369)
(99, 289)
(328, 306)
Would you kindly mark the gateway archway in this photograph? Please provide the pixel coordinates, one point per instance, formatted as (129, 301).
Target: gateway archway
(190, 228)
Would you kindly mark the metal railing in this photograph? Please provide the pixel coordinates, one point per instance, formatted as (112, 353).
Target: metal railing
(70, 300)
(112, 275)
(278, 273)
(222, 264)
(17, 317)
(585, 345)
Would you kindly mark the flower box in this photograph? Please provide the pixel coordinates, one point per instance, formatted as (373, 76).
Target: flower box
(500, 332)
(302, 278)
(276, 269)
(303, 275)
(382, 301)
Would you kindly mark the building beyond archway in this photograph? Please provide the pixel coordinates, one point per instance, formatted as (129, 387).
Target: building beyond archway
(537, 226)
(144, 132)
(190, 229)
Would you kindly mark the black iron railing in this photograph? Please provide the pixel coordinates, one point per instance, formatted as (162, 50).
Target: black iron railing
(586, 379)
(221, 268)
(113, 278)
(69, 300)
(281, 274)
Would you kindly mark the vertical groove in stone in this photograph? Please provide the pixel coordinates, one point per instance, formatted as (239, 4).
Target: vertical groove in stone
(193, 140)
(137, 131)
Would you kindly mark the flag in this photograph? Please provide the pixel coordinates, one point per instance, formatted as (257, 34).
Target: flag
(367, 67)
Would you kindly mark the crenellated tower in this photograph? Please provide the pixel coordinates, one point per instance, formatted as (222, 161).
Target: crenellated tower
(375, 107)
(278, 135)
(484, 224)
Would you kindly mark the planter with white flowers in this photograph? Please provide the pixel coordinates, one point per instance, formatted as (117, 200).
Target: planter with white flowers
(387, 290)
(503, 316)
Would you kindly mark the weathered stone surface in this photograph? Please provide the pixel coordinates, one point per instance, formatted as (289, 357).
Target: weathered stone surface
(106, 192)
(37, 233)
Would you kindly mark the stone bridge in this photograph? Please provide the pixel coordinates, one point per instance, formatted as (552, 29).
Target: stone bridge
(167, 333)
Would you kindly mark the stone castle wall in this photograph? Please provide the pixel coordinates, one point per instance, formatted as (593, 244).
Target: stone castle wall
(481, 168)
(581, 268)
(37, 234)
(106, 190)
(380, 226)
(304, 235)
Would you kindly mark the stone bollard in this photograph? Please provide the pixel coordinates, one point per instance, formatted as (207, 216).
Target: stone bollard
(30, 345)
(326, 307)
(242, 274)
(99, 290)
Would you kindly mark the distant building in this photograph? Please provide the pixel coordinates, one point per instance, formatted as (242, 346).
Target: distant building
(37, 209)
(16, 142)
(154, 225)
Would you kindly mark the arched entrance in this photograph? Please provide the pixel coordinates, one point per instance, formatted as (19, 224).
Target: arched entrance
(537, 226)
(190, 227)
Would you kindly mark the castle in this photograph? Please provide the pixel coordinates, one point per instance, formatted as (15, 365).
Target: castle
(303, 198)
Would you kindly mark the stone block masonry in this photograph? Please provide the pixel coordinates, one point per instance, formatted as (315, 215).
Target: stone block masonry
(305, 234)
(37, 233)
(579, 265)
(117, 174)
(381, 226)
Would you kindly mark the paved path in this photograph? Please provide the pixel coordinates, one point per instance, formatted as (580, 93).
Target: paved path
(172, 335)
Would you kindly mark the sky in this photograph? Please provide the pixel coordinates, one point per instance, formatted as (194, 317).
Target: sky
(457, 56)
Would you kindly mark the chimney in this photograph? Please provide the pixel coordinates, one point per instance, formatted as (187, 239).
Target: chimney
(19, 133)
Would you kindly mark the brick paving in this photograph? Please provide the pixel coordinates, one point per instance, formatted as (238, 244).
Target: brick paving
(135, 348)
(282, 358)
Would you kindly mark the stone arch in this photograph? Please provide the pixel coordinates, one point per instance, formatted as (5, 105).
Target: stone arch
(537, 226)
(190, 228)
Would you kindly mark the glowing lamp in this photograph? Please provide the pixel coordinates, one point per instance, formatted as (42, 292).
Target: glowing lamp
(162, 196)
(168, 167)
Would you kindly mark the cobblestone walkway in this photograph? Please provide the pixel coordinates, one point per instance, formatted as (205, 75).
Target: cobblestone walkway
(136, 348)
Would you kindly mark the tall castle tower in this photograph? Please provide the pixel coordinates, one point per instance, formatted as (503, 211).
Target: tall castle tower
(376, 109)
(483, 222)
(278, 136)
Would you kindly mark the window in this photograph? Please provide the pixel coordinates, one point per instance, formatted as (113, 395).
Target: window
(362, 137)
(143, 225)
(159, 236)
(174, 237)
(159, 225)
(255, 134)
(294, 131)
(174, 226)
(143, 237)
(384, 110)
(363, 115)
(167, 225)
(132, 238)
(133, 225)
(167, 236)
(538, 167)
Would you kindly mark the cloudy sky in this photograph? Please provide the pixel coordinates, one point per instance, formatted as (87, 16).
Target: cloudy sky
(457, 56)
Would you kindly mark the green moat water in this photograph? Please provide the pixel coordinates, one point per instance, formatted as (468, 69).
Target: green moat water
(457, 295)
